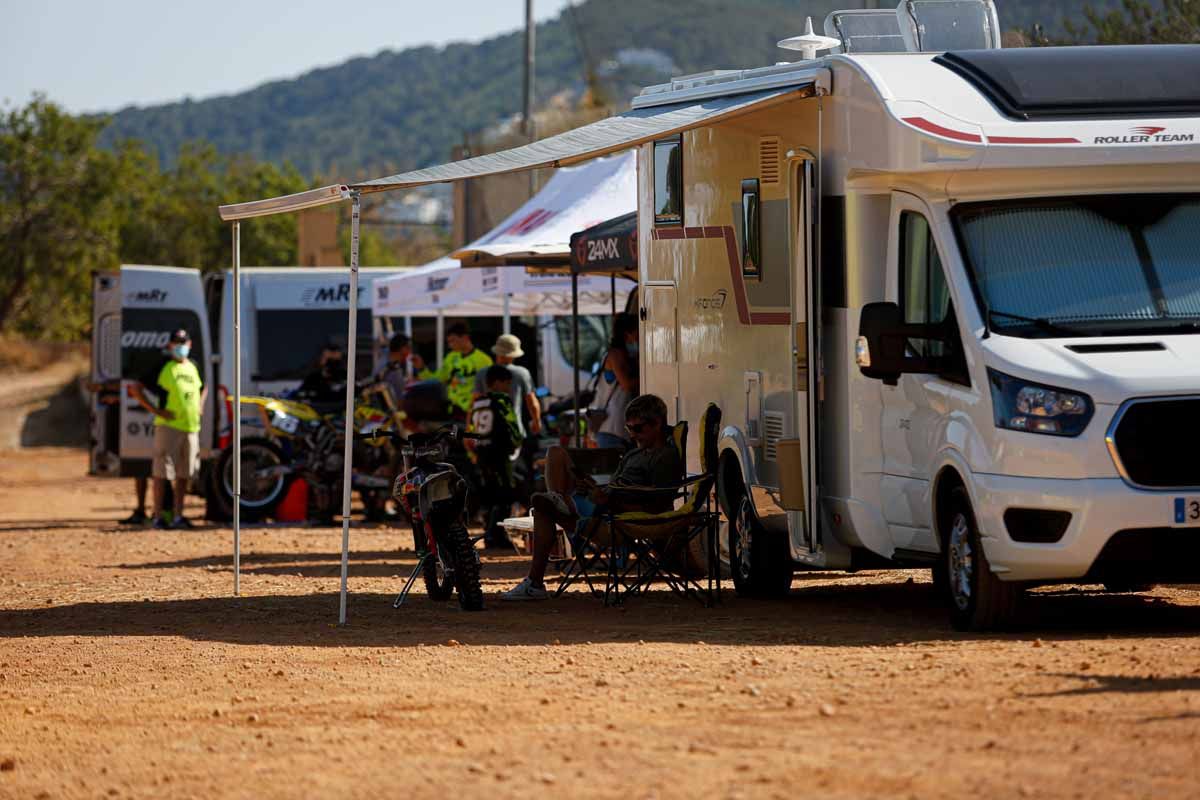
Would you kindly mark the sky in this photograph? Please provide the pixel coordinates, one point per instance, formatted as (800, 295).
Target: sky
(103, 55)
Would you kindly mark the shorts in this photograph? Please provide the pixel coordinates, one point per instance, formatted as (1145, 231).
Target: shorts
(176, 454)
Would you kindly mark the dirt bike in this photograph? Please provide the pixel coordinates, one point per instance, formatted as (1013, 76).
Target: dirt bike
(435, 495)
(295, 441)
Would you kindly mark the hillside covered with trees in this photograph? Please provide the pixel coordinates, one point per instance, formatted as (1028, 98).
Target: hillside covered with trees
(401, 110)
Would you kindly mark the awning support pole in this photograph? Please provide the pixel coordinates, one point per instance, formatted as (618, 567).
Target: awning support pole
(237, 408)
(351, 353)
(575, 347)
(441, 340)
(613, 278)
(507, 313)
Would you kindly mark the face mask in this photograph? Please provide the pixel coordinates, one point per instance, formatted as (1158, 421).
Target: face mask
(181, 350)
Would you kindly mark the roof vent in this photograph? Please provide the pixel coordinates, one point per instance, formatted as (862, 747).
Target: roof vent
(768, 160)
(810, 42)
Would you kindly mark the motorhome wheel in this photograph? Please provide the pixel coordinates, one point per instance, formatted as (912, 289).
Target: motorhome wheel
(979, 600)
(760, 563)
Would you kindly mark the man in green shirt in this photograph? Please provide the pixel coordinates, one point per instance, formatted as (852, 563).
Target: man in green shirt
(180, 391)
(459, 368)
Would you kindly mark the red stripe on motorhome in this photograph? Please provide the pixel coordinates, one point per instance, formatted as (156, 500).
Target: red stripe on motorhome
(938, 130)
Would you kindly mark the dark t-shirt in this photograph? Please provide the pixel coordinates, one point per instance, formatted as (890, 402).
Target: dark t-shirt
(522, 386)
(658, 466)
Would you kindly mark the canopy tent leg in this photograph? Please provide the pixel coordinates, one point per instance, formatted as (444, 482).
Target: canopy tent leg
(441, 340)
(613, 294)
(408, 327)
(351, 354)
(237, 408)
(575, 347)
(507, 313)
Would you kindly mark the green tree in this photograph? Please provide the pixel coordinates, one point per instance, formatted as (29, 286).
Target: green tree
(170, 217)
(58, 221)
(1139, 22)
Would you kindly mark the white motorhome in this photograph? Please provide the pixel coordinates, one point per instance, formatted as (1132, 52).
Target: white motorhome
(949, 303)
(946, 295)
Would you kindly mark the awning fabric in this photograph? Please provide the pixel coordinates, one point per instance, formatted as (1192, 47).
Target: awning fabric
(610, 135)
(445, 288)
(610, 247)
(539, 232)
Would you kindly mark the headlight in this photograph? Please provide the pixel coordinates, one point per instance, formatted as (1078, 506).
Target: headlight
(1019, 405)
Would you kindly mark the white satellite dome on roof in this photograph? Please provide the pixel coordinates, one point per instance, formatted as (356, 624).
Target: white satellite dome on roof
(809, 43)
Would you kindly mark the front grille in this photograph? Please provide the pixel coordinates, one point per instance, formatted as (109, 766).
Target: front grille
(1156, 443)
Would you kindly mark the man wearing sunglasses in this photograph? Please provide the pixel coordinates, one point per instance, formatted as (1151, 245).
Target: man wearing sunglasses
(573, 497)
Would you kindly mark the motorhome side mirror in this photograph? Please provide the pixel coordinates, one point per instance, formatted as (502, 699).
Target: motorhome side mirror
(882, 351)
(879, 354)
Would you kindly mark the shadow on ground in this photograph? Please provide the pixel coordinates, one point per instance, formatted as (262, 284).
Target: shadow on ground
(851, 616)
(60, 421)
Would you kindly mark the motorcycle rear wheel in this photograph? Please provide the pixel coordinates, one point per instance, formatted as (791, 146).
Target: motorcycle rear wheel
(439, 583)
(466, 567)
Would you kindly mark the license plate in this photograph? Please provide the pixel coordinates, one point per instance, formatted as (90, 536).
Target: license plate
(1187, 511)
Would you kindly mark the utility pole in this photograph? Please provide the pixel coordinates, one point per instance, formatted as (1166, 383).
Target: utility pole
(530, 30)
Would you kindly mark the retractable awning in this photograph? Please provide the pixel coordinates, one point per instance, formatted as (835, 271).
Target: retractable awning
(619, 132)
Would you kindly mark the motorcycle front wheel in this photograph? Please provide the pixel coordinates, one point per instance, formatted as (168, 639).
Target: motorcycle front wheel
(439, 582)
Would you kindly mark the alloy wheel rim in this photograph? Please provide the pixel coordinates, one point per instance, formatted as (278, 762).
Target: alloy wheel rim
(744, 533)
(962, 562)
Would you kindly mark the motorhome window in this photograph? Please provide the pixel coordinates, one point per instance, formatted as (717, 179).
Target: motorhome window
(1085, 266)
(925, 296)
(290, 341)
(668, 182)
(145, 333)
(593, 340)
(751, 230)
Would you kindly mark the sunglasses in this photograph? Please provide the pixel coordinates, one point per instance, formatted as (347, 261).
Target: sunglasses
(635, 427)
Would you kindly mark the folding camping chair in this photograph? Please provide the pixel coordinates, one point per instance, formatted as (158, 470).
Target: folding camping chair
(592, 550)
(658, 545)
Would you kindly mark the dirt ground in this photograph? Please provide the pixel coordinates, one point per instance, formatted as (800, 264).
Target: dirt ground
(127, 669)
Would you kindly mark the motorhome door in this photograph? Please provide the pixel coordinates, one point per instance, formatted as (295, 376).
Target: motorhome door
(104, 452)
(798, 457)
(660, 343)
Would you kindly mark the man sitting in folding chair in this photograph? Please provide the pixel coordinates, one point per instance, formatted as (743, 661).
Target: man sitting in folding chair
(571, 498)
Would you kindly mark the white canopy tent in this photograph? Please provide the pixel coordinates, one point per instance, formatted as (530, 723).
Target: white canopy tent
(645, 122)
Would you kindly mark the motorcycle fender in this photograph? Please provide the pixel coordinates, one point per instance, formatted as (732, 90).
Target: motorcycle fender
(438, 488)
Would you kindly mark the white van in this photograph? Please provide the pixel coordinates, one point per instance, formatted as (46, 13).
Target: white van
(947, 297)
(134, 312)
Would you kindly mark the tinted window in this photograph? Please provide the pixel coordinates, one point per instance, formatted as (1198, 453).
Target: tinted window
(144, 336)
(668, 182)
(290, 341)
(925, 297)
(593, 340)
(751, 230)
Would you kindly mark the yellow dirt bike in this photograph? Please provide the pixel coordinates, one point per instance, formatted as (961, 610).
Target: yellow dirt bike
(291, 440)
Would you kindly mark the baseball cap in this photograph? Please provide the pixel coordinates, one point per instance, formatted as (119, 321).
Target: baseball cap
(180, 336)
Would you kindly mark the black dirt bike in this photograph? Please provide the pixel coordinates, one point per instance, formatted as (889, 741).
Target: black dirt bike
(435, 496)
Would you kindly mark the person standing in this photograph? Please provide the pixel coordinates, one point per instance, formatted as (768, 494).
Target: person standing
(618, 382)
(507, 350)
(180, 391)
(402, 366)
(460, 367)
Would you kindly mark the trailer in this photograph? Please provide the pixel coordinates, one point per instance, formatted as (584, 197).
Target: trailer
(946, 295)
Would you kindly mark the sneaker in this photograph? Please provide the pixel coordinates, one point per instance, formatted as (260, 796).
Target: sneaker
(160, 524)
(554, 504)
(525, 590)
(182, 523)
(138, 517)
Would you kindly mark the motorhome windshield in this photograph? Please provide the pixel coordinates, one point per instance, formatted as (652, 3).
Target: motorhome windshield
(1087, 266)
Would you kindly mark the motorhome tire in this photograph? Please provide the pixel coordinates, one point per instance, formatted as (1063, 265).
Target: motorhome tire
(466, 568)
(978, 599)
(760, 563)
(260, 502)
(439, 582)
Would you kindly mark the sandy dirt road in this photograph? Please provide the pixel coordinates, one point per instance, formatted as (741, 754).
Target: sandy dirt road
(128, 670)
